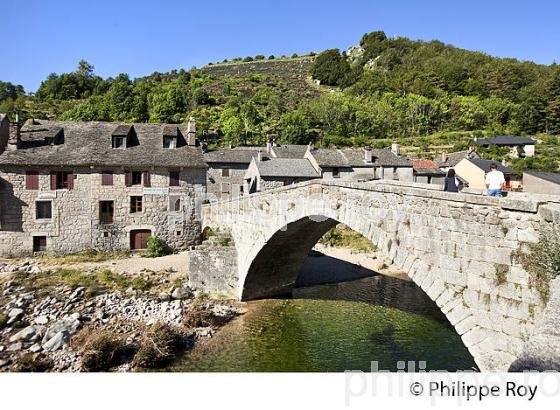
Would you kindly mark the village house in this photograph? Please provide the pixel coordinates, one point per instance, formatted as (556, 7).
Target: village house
(360, 164)
(536, 182)
(519, 147)
(473, 172)
(66, 187)
(427, 172)
(267, 173)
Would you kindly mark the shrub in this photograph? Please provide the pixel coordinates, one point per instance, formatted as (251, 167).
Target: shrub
(200, 315)
(207, 233)
(247, 59)
(295, 55)
(501, 271)
(158, 346)
(271, 57)
(31, 363)
(101, 350)
(541, 260)
(3, 320)
(259, 57)
(156, 247)
(342, 236)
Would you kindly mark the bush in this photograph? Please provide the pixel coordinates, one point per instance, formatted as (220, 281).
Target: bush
(158, 346)
(100, 350)
(271, 57)
(331, 68)
(247, 59)
(156, 247)
(541, 260)
(3, 320)
(259, 57)
(342, 236)
(207, 233)
(31, 363)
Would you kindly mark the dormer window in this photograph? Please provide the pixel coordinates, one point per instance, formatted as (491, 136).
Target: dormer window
(169, 142)
(119, 142)
(121, 136)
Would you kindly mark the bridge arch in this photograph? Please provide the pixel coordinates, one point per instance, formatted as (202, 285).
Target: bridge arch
(450, 245)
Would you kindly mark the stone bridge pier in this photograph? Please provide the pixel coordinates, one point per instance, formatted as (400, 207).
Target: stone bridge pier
(457, 247)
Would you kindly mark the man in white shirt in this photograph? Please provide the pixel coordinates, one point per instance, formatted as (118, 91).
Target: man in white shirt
(495, 182)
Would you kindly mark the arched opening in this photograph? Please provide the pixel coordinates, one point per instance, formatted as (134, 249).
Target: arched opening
(276, 270)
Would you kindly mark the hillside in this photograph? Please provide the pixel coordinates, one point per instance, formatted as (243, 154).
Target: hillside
(429, 96)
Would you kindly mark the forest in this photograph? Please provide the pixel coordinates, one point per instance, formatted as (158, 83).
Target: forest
(424, 93)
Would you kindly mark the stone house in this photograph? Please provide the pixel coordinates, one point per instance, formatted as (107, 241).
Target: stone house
(520, 147)
(360, 164)
(473, 172)
(541, 182)
(66, 187)
(427, 172)
(267, 173)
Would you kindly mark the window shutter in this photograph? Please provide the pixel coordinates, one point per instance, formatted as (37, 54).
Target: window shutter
(107, 178)
(31, 180)
(147, 182)
(173, 178)
(53, 181)
(128, 178)
(70, 180)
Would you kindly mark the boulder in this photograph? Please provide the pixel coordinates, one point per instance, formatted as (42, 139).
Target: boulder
(183, 292)
(57, 341)
(27, 333)
(69, 325)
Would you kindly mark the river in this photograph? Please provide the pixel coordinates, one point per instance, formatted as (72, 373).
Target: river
(335, 327)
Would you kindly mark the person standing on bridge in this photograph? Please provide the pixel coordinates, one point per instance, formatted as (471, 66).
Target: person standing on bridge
(452, 183)
(495, 182)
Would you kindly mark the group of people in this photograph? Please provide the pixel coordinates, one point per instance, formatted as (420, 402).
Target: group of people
(495, 182)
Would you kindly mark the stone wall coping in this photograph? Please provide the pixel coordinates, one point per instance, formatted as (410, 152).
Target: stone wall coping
(521, 202)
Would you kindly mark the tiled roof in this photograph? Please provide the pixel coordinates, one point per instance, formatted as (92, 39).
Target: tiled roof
(423, 164)
(484, 164)
(548, 176)
(232, 156)
(505, 140)
(89, 144)
(289, 151)
(286, 167)
(454, 158)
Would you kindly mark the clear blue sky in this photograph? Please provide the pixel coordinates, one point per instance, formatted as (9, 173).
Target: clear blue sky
(140, 37)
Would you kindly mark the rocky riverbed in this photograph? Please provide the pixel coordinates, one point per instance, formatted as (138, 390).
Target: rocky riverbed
(68, 320)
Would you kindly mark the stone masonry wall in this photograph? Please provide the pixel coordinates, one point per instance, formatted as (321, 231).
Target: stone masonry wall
(215, 180)
(457, 247)
(75, 223)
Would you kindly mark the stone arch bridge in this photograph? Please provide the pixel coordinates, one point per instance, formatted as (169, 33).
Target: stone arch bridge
(457, 247)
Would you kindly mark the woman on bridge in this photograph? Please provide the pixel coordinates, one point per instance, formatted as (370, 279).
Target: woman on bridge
(452, 183)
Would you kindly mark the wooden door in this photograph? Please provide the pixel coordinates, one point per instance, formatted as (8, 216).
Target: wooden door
(139, 238)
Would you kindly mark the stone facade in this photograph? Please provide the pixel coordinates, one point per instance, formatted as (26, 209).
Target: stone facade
(453, 246)
(75, 221)
(225, 184)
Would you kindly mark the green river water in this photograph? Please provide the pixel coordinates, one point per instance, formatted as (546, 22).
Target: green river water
(332, 328)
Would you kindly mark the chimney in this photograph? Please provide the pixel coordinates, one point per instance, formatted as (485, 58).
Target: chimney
(444, 157)
(311, 147)
(504, 162)
(191, 132)
(396, 149)
(368, 155)
(268, 146)
(14, 138)
(259, 156)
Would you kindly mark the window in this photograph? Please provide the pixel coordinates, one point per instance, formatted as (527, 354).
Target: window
(137, 178)
(107, 178)
(177, 205)
(225, 188)
(105, 234)
(169, 142)
(43, 209)
(135, 204)
(225, 172)
(336, 173)
(62, 180)
(119, 142)
(106, 211)
(39, 243)
(31, 180)
(178, 233)
(174, 178)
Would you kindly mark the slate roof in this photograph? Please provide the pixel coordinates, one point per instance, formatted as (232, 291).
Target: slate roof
(454, 158)
(286, 167)
(233, 156)
(484, 164)
(505, 140)
(90, 144)
(355, 157)
(289, 151)
(553, 177)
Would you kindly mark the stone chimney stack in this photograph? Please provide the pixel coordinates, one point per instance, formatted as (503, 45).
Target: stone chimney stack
(444, 157)
(191, 132)
(259, 156)
(14, 139)
(268, 146)
(311, 147)
(396, 149)
(368, 155)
